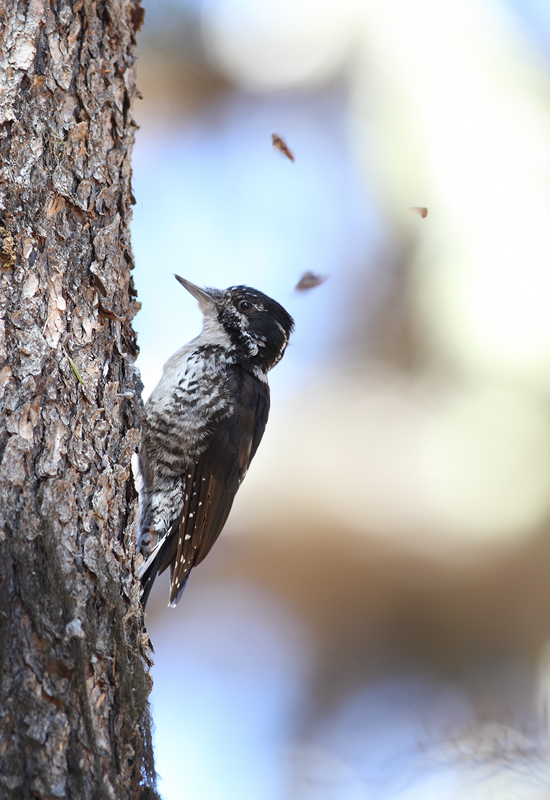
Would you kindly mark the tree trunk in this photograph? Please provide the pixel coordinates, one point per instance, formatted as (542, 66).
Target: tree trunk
(74, 679)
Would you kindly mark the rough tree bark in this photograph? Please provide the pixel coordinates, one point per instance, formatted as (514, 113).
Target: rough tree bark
(74, 677)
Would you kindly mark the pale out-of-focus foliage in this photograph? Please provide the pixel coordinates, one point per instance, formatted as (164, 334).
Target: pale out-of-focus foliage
(373, 621)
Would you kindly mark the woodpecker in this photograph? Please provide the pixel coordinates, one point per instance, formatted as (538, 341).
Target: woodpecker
(202, 426)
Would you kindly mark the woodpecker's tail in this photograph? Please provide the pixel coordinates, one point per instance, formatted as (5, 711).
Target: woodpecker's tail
(161, 556)
(150, 569)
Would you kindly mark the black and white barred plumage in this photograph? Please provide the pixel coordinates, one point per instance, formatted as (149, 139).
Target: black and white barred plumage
(203, 424)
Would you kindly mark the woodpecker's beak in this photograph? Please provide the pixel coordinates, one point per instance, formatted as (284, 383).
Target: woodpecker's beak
(206, 301)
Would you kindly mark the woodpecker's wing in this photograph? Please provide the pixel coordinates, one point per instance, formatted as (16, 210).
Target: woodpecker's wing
(212, 482)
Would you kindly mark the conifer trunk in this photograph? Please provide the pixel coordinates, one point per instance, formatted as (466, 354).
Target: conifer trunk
(74, 679)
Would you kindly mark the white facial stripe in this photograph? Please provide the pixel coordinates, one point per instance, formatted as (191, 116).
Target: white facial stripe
(278, 324)
(252, 342)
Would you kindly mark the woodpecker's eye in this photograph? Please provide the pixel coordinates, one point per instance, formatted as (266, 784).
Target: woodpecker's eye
(244, 305)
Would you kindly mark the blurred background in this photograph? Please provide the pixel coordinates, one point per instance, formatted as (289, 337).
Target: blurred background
(374, 620)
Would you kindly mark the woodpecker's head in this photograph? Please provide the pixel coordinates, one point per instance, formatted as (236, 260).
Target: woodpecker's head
(258, 327)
